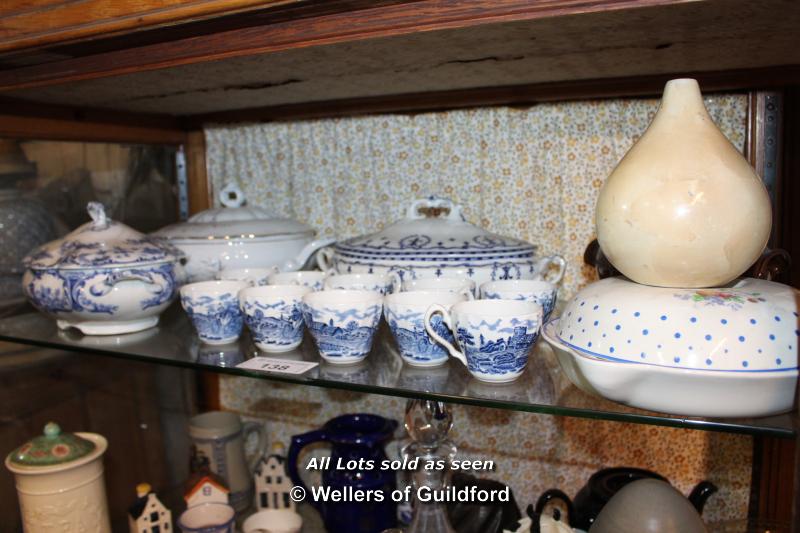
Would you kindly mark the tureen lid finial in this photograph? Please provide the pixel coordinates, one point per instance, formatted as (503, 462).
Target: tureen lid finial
(52, 430)
(232, 195)
(98, 214)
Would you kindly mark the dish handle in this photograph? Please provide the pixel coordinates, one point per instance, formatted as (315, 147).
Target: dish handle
(543, 268)
(440, 309)
(305, 254)
(325, 260)
(157, 283)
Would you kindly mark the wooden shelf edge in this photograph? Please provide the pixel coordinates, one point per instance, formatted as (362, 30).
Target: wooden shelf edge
(370, 23)
(22, 119)
(516, 95)
(32, 28)
(27, 127)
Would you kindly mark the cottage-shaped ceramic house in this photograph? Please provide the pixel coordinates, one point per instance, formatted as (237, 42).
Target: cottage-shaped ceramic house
(148, 514)
(205, 487)
(272, 483)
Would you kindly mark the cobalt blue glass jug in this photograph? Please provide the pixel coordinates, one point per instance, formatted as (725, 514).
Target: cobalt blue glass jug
(353, 471)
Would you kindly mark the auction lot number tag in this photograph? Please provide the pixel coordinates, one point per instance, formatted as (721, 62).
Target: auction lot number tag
(281, 366)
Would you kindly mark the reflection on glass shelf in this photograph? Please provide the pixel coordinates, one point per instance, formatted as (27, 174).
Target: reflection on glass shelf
(543, 388)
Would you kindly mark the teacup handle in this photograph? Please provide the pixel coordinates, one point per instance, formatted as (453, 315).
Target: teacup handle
(468, 293)
(440, 309)
(544, 263)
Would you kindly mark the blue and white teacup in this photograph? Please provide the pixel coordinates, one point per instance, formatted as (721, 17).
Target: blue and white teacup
(382, 283)
(343, 322)
(274, 315)
(541, 292)
(463, 286)
(213, 307)
(405, 313)
(313, 279)
(493, 337)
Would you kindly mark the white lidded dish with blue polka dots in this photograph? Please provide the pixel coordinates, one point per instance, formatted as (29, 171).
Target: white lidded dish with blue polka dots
(749, 326)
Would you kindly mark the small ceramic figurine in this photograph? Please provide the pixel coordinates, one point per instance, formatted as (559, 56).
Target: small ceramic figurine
(148, 514)
(204, 486)
(272, 482)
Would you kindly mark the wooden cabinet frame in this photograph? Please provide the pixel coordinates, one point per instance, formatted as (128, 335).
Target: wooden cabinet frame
(202, 32)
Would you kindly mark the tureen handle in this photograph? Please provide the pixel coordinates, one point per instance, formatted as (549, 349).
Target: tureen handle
(232, 195)
(435, 202)
(98, 214)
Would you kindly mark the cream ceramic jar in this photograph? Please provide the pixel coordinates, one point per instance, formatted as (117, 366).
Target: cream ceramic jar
(683, 208)
(60, 485)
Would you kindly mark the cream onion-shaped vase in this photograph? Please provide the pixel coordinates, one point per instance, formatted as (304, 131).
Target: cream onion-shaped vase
(683, 208)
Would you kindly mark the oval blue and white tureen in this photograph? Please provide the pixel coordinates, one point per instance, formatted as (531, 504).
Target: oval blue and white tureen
(104, 278)
(421, 246)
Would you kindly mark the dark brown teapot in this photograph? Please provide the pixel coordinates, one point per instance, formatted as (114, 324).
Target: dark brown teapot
(601, 487)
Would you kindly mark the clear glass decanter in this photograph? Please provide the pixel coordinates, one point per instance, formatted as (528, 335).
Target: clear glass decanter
(428, 424)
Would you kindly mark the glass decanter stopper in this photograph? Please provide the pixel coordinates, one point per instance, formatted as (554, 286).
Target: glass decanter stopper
(428, 424)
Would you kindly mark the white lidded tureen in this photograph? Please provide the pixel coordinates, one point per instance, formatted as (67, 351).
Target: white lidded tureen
(238, 236)
(104, 278)
(421, 246)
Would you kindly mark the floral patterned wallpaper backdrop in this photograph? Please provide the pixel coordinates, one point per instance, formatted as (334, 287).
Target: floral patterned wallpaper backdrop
(532, 173)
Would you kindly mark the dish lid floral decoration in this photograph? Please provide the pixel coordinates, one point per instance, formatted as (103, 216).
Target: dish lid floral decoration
(101, 243)
(52, 448)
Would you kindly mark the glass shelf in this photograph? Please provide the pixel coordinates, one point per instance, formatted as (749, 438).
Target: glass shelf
(543, 388)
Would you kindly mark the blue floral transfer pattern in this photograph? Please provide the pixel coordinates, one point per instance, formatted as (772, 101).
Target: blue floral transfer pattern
(64, 291)
(343, 333)
(506, 353)
(94, 254)
(413, 341)
(216, 318)
(275, 324)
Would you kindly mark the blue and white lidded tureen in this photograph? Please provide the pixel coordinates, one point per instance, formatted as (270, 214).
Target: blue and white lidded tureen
(104, 278)
(421, 246)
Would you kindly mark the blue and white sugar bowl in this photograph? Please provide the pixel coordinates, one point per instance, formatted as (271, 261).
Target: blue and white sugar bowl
(104, 278)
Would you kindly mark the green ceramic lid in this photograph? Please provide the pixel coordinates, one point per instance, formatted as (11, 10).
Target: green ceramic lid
(52, 448)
